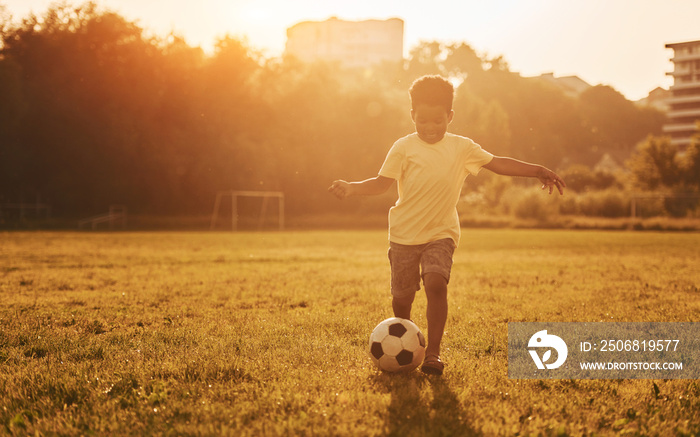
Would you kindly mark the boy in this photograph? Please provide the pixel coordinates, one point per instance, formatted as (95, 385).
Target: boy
(430, 166)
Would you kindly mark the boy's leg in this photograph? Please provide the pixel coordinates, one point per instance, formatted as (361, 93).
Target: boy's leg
(405, 277)
(436, 265)
(402, 306)
(436, 293)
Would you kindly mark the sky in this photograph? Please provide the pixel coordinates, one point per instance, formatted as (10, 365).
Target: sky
(620, 43)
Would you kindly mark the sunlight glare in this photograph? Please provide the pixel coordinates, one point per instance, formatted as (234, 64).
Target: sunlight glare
(253, 13)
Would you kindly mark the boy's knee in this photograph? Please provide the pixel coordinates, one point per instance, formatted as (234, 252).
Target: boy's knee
(402, 306)
(435, 284)
(404, 300)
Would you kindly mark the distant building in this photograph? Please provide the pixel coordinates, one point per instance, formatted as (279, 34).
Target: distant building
(657, 99)
(572, 86)
(607, 164)
(352, 43)
(684, 103)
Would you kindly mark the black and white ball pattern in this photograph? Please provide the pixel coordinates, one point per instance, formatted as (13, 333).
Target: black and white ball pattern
(397, 345)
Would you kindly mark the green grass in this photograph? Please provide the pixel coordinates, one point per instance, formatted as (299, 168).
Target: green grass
(265, 334)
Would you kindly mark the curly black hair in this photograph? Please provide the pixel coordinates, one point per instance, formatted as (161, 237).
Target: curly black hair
(432, 90)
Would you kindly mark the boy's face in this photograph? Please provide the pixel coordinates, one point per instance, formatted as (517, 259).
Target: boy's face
(431, 122)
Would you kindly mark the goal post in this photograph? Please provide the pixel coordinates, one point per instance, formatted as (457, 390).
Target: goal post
(636, 197)
(235, 194)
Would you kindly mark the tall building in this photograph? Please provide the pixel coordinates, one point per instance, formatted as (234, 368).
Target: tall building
(684, 103)
(352, 43)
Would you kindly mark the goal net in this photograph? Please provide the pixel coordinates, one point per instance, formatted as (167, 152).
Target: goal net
(260, 216)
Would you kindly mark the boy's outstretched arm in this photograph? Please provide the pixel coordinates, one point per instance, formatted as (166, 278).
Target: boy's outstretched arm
(512, 167)
(369, 187)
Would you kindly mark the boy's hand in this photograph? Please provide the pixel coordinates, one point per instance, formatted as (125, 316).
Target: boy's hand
(550, 180)
(340, 189)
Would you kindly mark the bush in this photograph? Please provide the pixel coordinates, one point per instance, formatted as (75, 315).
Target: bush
(532, 204)
(581, 178)
(607, 203)
(568, 204)
(681, 206)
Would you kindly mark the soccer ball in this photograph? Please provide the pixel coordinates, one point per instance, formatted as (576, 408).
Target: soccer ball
(397, 345)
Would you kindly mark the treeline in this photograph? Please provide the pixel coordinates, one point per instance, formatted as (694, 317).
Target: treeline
(94, 112)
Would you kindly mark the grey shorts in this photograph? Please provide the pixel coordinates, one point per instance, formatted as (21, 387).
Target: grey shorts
(410, 263)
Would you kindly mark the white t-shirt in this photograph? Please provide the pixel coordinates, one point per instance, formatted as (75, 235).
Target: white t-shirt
(430, 179)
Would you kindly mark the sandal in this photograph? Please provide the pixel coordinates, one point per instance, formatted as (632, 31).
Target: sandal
(432, 365)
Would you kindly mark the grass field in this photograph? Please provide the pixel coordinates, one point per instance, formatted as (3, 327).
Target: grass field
(265, 334)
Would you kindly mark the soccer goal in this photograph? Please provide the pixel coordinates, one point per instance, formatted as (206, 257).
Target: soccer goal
(115, 216)
(679, 199)
(235, 195)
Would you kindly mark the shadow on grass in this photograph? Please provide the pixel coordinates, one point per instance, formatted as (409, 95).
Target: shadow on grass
(422, 405)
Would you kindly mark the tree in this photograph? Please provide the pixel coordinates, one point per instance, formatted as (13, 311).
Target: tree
(690, 165)
(88, 78)
(654, 164)
(12, 108)
(543, 123)
(615, 124)
(485, 122)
